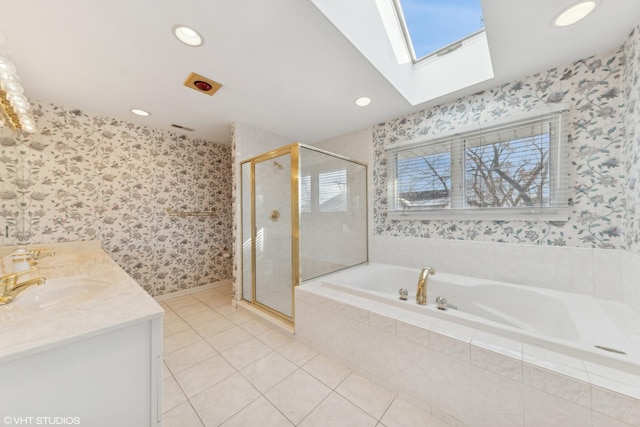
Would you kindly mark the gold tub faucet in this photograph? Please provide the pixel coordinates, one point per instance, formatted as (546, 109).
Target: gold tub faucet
(10, 287)
(421, 293)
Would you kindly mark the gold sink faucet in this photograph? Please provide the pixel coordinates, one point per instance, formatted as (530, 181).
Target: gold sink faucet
(421, 293)
(10, 287)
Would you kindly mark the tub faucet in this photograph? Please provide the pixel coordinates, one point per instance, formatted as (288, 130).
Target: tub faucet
(10, 287)
(421, 293)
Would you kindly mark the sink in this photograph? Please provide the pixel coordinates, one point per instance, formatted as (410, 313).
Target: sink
(59, 292)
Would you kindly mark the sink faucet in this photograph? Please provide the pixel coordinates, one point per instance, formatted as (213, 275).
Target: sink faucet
(10, 287)
(421, 293)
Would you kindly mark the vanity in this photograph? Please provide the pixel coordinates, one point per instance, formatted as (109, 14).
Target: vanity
(84, 348)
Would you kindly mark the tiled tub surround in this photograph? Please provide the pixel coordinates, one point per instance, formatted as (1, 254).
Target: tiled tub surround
(465, 376)
(86, 177)
(602, 273)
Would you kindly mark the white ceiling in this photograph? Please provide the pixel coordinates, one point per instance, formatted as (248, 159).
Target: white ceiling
(284, 66)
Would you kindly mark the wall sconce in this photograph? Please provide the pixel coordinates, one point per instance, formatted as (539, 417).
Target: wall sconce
(15, 110)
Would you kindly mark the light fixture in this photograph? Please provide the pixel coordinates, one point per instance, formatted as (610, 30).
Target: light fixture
(574, 13)
(187, 35)
(139, 112)
(15, 109)
(363, 101)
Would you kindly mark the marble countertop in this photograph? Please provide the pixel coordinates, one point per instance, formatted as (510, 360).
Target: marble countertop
(115, 301)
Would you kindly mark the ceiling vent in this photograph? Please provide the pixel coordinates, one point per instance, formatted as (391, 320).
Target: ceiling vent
(202, 84)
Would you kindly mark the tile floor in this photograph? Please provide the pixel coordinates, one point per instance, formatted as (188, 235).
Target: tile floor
(223, 366)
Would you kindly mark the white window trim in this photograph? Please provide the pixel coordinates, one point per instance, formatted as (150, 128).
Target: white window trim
(551, 213)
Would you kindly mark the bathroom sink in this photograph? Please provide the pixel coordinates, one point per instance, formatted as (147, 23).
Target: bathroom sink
(60, 292)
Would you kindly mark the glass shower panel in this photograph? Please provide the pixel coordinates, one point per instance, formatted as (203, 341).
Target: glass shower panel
(333, 213)
(247, 261)
(273, 254)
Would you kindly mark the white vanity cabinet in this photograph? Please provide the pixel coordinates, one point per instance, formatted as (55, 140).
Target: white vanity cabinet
(94, 363)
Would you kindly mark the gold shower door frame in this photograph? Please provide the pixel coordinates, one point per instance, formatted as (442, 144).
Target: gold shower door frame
(293, 151)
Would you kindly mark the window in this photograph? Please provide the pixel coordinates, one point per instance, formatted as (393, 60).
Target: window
(324, 191)
(432, 26)
(511, 169)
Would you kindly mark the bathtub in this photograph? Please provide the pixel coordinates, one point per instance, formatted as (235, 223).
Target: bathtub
(506, 353)
(560, 321)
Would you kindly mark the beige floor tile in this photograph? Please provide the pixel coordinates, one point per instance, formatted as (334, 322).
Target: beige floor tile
(217, 301)
(228, 338)
(202, 317)
(204, 375)
(188, 356)
(259, 413)
(297, 395)
(221, 401)
(174, 326)
(172, 395)
(327, 370)
(297, 352)
(191, 309)
(180, 340)
(373, 399)
(275, 338)
(240, 316)
(182, 415)
(268, 371)
(255, 326)
(226, 309)
(245, 353)
(169, 315)
(179, 302)
(209, 329)
(166, 373)
(335, 410)
(401, 413)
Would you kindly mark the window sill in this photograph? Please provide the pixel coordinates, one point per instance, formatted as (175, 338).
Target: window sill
(488, 214)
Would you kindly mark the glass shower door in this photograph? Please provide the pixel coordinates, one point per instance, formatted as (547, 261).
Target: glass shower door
(273, 234)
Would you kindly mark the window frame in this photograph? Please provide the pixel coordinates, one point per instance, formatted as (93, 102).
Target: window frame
(558, 173)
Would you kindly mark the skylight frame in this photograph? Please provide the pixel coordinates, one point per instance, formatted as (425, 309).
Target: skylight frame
(409, 43)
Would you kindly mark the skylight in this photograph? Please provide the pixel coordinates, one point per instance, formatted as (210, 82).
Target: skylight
(433, 25)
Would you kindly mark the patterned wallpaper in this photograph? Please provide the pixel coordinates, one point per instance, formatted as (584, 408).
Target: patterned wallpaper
(86, 177)
(597, 138)
(631, 87)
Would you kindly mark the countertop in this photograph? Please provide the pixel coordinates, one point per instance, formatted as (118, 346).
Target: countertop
(117, 301)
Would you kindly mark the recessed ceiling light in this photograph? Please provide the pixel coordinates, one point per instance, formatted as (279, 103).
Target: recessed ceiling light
(187, 35)
(363, 101)
(140, 112)
(574, 13)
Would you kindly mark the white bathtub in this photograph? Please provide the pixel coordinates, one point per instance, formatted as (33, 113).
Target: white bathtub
(561, 321)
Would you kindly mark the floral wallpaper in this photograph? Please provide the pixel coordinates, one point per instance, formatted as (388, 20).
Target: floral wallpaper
(87, 177)
(631, 85)
(592, 87)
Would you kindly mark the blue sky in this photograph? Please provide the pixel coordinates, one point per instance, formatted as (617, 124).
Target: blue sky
(434, 24)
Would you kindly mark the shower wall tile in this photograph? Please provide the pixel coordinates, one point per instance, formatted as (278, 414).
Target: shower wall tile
(85, 177)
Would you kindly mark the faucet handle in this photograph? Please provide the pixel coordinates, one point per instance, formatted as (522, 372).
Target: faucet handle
(37, 253)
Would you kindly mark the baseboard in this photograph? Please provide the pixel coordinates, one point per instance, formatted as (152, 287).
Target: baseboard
(193, 290)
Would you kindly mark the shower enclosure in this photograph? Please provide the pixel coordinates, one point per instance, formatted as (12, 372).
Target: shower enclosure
(304, 214)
